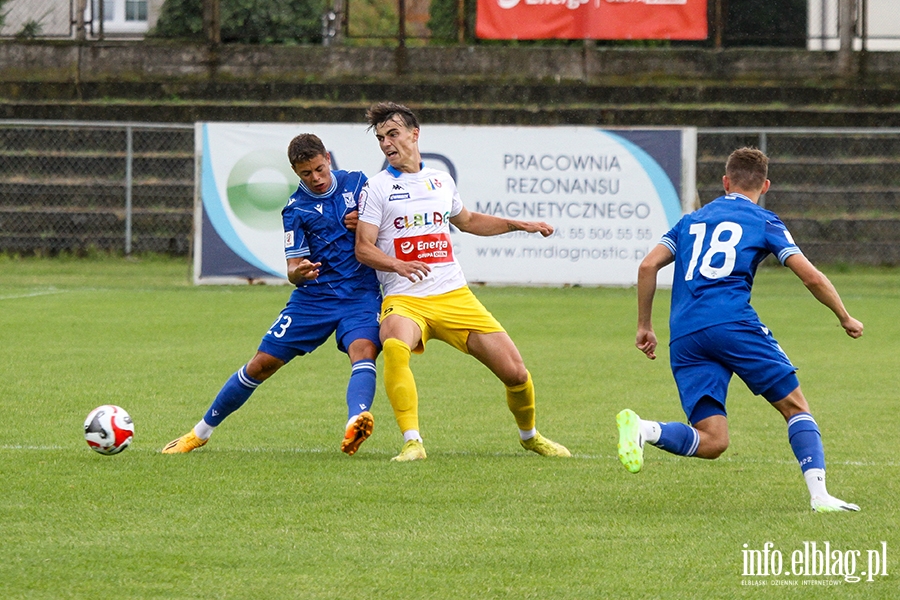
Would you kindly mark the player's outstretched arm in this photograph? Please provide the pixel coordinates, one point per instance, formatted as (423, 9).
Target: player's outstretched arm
(368, 254)
(658, 258)
(824, 291)
(486, 225)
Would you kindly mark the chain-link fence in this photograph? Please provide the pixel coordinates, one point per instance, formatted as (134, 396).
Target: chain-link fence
(838, 190)
(73, 187)
(38, 18)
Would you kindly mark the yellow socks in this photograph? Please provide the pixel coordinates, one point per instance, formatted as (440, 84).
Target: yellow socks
(520, 400)
(400, 384)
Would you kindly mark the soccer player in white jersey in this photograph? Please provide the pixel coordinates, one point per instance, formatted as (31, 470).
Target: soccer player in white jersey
(334, 294)
(715, 332)
(404, 234)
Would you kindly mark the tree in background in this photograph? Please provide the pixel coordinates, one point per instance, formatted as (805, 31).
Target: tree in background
(444, 20)
(246, 21)
(3, 14)
(371, 18)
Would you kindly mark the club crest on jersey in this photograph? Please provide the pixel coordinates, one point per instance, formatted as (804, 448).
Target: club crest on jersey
(433, 183)
(349, 202)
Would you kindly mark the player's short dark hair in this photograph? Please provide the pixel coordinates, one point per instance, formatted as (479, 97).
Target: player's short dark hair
(304, 147)
(747, 168)
(382, 112)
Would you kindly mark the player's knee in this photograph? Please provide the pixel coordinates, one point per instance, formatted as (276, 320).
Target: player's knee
(514, 376)
(395, 352)
(262, 366)
(718, 450)
(792, 404)
(712, 446)
(520, 377)
(362, 349)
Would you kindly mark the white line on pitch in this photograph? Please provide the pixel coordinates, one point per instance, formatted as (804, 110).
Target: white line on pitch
(33, 294)
(457, 453)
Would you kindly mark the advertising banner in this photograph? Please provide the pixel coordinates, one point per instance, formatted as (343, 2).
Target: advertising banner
(591, 19)
(609, 194)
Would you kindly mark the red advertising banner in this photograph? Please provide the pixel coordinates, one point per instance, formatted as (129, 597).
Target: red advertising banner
(592, 19)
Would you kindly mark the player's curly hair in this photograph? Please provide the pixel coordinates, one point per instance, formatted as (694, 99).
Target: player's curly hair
(382, 112)
(747, 168)
(304, 147)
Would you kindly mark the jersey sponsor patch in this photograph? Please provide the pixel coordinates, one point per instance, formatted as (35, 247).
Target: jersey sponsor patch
(288, 239)
(431, 248)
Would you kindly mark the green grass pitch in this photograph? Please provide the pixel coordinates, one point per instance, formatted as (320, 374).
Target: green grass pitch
(271, 508)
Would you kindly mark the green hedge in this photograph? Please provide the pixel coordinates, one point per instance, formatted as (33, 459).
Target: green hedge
(246, 21)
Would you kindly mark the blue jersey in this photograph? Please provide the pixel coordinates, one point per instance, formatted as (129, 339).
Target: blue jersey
(717, 249)
(314, 228)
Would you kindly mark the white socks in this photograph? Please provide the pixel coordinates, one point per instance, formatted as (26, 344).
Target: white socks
(202, 430)
(650, 431)
(815, 482)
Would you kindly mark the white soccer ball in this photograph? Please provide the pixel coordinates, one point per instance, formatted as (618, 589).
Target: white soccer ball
(108, 429)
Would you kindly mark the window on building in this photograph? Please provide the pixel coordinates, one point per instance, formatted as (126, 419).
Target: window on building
(120, 17)
(135, 10)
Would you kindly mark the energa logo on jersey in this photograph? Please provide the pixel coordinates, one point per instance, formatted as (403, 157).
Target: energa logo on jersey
(431, 248)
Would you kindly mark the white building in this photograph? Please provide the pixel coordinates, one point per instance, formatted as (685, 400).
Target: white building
(881, 26)
(56, 18)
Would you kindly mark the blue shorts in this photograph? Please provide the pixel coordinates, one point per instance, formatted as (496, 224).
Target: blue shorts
(703, 363)
(308, 321)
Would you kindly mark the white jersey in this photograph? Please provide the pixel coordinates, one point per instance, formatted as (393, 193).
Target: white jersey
(413, 212)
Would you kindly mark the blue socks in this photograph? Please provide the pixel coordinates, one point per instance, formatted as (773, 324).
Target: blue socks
(361, 387)
(678, 438)
(803, 435)
(806, 441)
(231, 397)
(240, 386)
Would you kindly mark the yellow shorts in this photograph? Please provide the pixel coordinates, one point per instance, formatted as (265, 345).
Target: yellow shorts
(448, 317)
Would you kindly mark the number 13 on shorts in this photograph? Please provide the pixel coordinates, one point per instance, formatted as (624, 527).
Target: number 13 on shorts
(280, 326)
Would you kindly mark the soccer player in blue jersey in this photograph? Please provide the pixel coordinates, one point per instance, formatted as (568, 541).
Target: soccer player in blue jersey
(335, 294)
(715, 332)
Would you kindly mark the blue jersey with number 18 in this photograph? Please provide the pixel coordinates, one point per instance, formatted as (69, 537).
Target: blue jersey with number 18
(717, 249)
